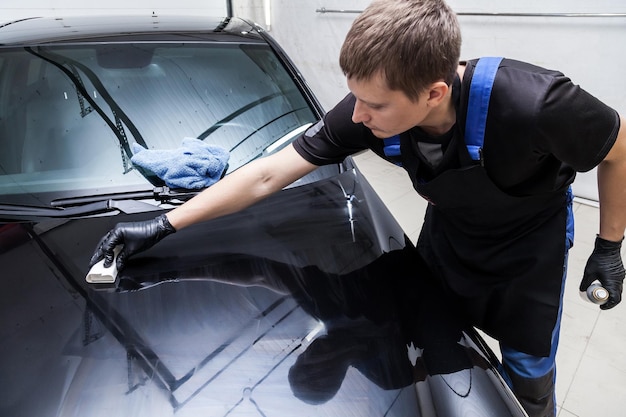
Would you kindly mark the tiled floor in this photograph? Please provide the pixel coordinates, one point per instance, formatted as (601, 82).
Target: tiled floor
(591, 361)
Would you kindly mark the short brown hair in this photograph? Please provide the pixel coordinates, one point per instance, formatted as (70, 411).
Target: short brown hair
(414, 43)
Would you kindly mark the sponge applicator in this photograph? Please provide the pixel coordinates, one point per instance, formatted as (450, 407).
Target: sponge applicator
(98, 274)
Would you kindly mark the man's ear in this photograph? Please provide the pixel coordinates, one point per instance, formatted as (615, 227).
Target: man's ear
(437, 92)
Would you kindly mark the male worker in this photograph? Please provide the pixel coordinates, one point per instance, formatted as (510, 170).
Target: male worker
(493, 145)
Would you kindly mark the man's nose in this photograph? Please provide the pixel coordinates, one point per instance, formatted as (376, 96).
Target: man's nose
(359, 115)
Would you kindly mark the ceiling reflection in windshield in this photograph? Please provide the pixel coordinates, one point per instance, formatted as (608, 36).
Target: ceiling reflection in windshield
(72, 112)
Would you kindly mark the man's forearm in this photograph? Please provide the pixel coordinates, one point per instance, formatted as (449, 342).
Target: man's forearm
(246, 186)
(612, 190)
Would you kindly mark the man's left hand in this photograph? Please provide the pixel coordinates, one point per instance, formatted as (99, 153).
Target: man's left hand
(605, 265)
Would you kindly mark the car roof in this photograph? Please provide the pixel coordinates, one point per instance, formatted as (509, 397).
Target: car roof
(126, 28)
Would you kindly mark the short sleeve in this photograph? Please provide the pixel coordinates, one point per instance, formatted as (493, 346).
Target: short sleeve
(334, 137)
(576, 127)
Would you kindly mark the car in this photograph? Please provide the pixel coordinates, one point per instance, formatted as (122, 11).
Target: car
(306, 303)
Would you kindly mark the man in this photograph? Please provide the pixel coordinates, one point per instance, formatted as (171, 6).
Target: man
(499, 223)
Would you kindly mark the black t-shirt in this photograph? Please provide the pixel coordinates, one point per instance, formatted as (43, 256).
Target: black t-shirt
(541, 129)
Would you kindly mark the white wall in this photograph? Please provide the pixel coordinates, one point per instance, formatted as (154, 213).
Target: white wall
(588, 49)
(19, 9)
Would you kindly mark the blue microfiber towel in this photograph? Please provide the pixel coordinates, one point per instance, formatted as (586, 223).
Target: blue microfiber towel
(195, 164)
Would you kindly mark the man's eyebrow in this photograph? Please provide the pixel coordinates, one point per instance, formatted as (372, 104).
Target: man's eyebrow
(370, 103)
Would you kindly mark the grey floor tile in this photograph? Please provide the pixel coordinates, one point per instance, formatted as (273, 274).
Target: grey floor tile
(565, 413)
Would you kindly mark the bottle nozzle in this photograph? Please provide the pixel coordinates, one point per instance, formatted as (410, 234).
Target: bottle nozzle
(595, 293)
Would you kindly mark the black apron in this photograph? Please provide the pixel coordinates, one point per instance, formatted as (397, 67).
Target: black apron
(501, 257)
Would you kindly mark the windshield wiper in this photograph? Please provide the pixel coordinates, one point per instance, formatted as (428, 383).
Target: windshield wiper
(23, 212)
(161, 194)
(126, 202)
(68, 66)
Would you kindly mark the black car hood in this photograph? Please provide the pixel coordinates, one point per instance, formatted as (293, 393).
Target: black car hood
(302, 304)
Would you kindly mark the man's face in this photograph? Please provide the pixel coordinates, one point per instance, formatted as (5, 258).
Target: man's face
(385, 112)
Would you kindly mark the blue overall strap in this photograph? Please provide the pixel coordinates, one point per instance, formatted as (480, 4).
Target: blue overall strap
(478, 104)
(391, 148)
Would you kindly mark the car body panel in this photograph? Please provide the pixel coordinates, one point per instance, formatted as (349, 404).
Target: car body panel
(306, 303)
(111, 28)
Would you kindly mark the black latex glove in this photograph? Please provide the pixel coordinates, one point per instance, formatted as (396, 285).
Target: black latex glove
(134, 236)
(605, 265)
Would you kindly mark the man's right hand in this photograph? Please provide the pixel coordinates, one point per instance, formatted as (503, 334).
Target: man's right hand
(134, 237)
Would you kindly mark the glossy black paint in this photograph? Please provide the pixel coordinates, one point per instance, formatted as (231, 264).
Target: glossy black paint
(308, 303)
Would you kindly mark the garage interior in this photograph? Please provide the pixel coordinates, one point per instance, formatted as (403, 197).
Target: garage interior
(577, 37)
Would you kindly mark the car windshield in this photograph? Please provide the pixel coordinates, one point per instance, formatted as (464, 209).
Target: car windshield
(70, 114)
